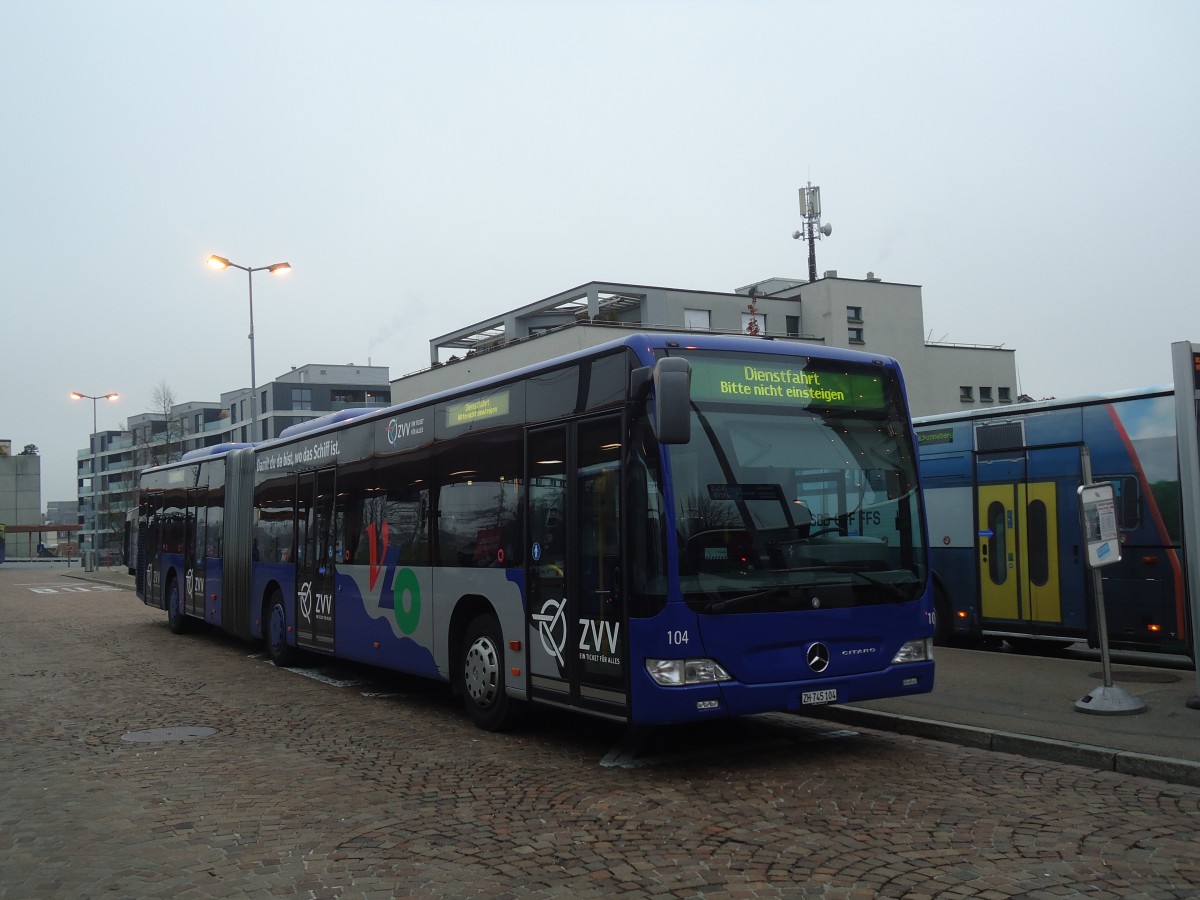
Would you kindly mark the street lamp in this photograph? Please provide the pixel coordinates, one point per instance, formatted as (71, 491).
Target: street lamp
(220, 262)
(95, 448)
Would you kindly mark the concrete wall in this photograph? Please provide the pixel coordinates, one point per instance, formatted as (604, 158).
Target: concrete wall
(934, 384)
(21, 490)
(891, 323)
(506, 359)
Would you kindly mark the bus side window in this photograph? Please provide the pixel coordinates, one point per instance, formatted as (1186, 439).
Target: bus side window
(479, 502)
(1129, 507)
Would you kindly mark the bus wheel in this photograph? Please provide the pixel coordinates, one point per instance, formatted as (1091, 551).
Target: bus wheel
(275, 634)
(176, 620)
(482, 674)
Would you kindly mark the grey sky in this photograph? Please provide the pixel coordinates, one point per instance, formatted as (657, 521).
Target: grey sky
(422, 165)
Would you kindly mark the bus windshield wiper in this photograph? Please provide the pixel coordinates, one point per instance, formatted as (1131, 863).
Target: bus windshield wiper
(728, 602)
(888, 587)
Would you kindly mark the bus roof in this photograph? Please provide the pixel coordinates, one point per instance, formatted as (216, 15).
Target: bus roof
(205, 452)
(1032, 406)
(643, 343)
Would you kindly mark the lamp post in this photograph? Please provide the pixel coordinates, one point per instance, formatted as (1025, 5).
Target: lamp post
(76, 395)
(220, 262)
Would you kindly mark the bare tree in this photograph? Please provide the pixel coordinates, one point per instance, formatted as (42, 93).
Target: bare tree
(160, 441)
(162, 398)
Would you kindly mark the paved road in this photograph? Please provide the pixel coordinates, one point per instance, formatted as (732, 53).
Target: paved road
(138, 763)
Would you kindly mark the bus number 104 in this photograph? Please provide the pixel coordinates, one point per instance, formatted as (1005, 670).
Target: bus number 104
(677, 637)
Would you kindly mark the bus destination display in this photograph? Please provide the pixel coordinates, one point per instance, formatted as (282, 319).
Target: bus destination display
(784, 385)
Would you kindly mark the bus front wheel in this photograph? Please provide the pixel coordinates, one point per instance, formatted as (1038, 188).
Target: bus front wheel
(482, 676)
(176, 619)
(275, 634)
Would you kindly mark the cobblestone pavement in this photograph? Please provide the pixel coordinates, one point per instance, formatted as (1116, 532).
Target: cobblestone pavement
(364, 784)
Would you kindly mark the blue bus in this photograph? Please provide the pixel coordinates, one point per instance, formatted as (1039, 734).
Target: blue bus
(661, 529)
(1006, 547)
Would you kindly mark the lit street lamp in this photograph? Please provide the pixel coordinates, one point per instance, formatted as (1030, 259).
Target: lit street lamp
(220, 262)
(95, 448)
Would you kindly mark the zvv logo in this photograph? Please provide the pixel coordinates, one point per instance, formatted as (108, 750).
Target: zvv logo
(552, 626)
(604, 636)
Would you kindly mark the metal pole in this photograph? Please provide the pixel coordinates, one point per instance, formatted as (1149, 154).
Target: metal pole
(1185, 367)
(1110, 699)
(253, 384)
(95, 463)
(812, 253)
(1085, 460)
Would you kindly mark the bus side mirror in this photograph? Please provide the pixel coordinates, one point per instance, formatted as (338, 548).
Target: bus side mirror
(673, 400)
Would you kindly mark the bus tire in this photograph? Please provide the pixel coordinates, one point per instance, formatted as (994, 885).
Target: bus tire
(275, 633)
(481, 676)
(177, 620)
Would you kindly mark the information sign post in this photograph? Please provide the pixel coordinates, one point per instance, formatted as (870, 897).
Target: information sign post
(1098, 516)
(1185, 367)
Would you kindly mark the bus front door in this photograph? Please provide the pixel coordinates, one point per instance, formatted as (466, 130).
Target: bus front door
(315, 614)
(576, 634)
(1019, 541)
(193, 553)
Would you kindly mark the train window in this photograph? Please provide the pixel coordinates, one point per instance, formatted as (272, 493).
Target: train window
(1039, 543)
(998, 560)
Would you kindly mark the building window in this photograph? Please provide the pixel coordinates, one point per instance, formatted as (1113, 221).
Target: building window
(233, 416)
(302, 398)
(854, 314)
(966, 393)
(262, 402)
(1005, 395)
(793, 326)
(697, 319)
(856, 336)
(760, 318)
(985, 394)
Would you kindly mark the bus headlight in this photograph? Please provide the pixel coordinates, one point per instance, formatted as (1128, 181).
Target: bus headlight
(677, 672)
(914, 651)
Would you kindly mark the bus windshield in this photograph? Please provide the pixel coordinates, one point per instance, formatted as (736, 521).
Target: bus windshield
(798, 488)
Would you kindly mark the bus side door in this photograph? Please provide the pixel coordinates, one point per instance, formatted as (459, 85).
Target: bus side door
(315, 617)
(150, 544)
(193, 552)
(578, 646)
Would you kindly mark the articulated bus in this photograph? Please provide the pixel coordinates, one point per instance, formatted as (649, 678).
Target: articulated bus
(1007, 552)
(658, 530)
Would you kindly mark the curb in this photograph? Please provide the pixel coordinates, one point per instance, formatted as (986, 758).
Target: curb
(1107, 759)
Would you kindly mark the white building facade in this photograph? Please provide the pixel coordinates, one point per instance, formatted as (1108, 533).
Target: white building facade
(118, 457)
(869, 315)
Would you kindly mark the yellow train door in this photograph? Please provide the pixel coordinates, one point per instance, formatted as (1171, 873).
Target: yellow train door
(1039, 553)
(1017, 549)
(996, 546)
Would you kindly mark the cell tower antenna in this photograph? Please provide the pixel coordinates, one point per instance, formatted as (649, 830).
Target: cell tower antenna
(810, 209)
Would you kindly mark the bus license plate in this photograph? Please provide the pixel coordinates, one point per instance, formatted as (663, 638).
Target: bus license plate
(811, 698)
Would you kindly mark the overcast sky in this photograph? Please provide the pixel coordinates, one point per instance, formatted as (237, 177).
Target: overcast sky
(1034, 166)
